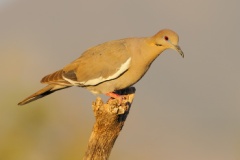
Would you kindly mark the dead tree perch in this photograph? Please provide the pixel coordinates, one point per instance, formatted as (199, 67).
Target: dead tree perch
(110, 118)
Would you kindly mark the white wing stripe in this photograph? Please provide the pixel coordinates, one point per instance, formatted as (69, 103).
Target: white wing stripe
(122, 69)
(75, 83)
(96, 81)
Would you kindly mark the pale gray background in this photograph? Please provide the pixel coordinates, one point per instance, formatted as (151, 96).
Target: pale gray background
(184, 109)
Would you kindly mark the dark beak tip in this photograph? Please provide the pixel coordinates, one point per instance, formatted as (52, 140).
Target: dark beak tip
(179, 51)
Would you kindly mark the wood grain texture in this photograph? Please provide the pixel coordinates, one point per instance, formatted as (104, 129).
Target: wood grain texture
(110, 118)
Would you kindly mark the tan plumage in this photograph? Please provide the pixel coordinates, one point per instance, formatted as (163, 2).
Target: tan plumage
(110, 66)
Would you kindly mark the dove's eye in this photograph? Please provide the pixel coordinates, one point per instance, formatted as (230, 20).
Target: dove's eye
(166, 38)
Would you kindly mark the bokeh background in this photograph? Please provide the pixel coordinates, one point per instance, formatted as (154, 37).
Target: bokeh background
(184, 109)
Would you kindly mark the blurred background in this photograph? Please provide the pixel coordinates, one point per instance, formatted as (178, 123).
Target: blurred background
(184, 109)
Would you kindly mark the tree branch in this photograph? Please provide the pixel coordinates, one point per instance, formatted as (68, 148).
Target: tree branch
(110, 118)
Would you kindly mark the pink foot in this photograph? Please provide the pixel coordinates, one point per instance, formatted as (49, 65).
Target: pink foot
(115, 96)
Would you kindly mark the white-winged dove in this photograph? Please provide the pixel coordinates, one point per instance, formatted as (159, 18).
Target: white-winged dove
(110, 66)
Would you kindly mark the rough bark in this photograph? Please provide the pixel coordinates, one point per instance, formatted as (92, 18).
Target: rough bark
(110, 118)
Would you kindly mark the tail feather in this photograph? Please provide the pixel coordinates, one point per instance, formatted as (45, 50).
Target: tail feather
(42, 93)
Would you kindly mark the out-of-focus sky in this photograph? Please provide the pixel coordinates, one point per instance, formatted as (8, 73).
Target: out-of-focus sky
(184, 109)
